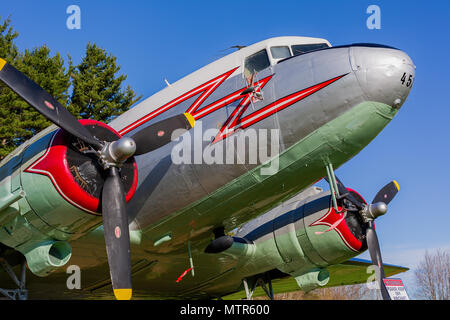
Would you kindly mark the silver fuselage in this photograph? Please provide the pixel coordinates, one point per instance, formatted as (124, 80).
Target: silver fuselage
(369, 74)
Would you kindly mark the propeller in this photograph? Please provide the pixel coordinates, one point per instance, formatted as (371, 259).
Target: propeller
(162, 132)
(117, 237)
(369, 213)
(111, 155)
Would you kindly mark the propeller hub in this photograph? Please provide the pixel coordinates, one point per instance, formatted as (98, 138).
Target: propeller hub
(122, 149)
(116, 152)
(374, 210)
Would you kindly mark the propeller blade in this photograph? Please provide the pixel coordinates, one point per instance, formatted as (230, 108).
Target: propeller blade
(375, 254)
(44, 103)
(387, 193)
(117, 237)
(160, 133)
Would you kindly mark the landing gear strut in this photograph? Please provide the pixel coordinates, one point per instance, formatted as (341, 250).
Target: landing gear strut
(262, 281)
(21, 293)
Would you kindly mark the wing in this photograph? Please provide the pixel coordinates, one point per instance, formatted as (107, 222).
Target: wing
(353, 271)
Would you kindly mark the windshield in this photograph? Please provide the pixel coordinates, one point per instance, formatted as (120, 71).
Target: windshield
(303, 48)
(280, 52)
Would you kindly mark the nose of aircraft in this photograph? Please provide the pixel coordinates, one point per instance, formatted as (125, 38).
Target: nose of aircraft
(385, 74)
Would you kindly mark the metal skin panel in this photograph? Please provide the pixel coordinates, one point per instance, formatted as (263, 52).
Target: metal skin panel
(301, 230)
(332, 124)
(324, 105)
(286, 238)
(377, 71)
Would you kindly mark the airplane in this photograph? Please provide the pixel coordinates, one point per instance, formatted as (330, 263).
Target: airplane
(198, 230)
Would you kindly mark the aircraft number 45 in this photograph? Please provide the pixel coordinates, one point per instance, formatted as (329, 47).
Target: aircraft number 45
(408, 80)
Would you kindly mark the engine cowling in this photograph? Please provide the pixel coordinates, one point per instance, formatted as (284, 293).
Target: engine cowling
(301, 237)
(324, 235)
(50, 192)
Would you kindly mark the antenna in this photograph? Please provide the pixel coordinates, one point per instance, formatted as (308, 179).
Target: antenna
(234, 47)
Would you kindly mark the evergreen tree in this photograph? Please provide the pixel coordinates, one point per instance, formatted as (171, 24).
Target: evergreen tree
(9, 52)
(47, 71)
(8, 49)
(18, 120)
(97, 92)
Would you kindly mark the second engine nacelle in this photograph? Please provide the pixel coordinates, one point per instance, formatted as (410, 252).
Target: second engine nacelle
(301, 238)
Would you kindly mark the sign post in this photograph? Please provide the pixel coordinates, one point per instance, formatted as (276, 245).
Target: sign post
(396, 289)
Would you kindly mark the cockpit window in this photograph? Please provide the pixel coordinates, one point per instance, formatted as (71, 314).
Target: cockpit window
(256, 62)
(303, 48)
(280, 52)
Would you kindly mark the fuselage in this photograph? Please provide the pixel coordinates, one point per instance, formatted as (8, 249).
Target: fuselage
(329, 83)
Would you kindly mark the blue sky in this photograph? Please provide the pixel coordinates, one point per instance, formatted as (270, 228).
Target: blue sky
(153, 40)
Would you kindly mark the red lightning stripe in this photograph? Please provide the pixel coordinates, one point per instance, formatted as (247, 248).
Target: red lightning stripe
(234, 122)
(229, 99)
(206, 89)
(270, 109)
(283, 103)
(233, 119)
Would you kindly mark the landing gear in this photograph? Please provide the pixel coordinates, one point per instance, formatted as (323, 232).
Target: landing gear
(333, 185)
(268, 291)
(262, 281)
(21, 293)
(248, 293)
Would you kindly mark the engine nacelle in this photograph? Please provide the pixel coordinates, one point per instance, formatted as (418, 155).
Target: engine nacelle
(50, 193)
(298, 238)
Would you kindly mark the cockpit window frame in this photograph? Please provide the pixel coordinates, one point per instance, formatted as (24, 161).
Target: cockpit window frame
(280, 46)
(268, 62)
(309, 44)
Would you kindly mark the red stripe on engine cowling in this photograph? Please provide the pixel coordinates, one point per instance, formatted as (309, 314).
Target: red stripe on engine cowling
(54, 165)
